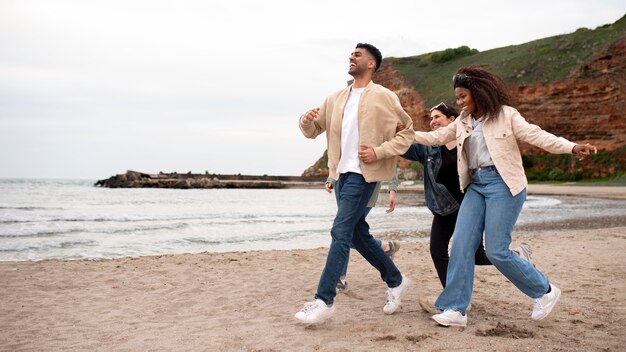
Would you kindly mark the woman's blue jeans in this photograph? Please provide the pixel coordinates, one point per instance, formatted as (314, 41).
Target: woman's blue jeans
(487, 206)
(353, 193)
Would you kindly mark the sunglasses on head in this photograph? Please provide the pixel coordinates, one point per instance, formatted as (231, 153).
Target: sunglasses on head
(436, 107)
(460, 79)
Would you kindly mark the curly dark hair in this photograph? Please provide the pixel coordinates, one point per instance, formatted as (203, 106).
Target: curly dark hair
(374, 52)
(488, 90)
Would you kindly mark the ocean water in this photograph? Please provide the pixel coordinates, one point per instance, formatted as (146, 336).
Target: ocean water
(72, 219)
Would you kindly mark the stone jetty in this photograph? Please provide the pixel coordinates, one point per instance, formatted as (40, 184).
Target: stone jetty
(136, 179)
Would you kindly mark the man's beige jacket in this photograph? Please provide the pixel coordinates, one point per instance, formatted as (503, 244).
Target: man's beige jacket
(379, 113)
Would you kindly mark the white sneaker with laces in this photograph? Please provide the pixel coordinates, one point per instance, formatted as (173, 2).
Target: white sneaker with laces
(545, 304)
(450, 317)
(395, 294)
(315, 312)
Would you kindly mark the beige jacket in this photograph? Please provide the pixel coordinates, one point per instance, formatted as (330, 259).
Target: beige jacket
(379, 112)
(501, 137)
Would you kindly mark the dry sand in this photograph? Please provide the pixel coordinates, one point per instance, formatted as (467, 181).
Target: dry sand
(246, 301)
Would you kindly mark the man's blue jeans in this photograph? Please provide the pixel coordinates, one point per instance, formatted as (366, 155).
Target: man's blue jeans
(344, 271)
(353, 193)
(487, 206)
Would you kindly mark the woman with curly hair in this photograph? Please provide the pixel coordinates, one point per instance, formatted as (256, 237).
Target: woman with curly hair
(441, 192)
(492, 177)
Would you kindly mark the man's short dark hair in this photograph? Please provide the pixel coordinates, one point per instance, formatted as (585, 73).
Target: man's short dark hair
(374, 52)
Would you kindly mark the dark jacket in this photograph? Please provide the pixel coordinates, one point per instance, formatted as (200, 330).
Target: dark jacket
(437, 197)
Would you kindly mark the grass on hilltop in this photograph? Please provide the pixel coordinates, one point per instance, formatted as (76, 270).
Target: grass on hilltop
(540, 61)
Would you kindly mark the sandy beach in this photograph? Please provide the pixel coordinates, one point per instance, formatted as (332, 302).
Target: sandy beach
(245, 301)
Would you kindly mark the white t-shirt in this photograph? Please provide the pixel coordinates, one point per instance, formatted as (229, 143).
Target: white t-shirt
(349, 160)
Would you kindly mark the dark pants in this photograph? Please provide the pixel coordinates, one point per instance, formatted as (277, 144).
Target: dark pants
(440, 234)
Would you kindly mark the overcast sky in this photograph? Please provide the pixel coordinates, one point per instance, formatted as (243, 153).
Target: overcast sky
(89, 89)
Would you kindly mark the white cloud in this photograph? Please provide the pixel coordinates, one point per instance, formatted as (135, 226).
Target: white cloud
(92, 88)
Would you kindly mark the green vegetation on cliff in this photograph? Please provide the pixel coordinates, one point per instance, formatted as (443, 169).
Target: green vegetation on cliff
(563, 167)
(539, 61)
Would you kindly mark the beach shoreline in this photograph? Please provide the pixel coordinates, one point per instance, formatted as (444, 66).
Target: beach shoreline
(245, 301)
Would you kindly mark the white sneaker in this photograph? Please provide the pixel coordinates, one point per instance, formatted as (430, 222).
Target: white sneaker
(395, 294)
(394, 246)
(545, 304)
(428, 305)
(315, 312)
(342, 286)
(450, 317)
(524, 251)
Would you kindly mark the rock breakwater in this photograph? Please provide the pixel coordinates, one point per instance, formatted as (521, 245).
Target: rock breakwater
(136, 179)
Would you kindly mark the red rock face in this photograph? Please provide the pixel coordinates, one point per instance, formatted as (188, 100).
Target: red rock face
(588, 106)
(410, 99)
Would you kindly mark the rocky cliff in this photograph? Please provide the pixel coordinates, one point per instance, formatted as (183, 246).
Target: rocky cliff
(410, 99)
(585, 107)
